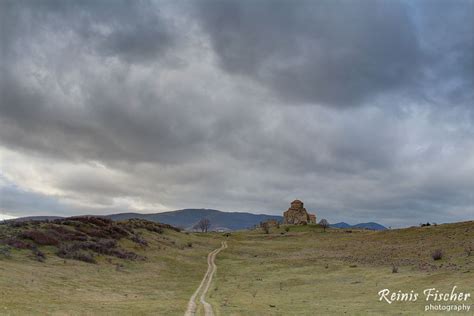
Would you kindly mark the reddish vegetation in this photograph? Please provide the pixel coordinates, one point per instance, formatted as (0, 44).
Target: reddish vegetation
(39, 237)
(19, 244)
(80, 238)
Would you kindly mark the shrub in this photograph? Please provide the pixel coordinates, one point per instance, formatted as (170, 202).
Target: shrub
(67, 222)
(394, 269)
(265, 227)
(38, 254)
(5, 251)
(122, 254)
(190, 244)
(18, 244)
(75, 251)
(84, 256)
(65, 234)
(148, 225)
(94, 220)
(17, 224)
(287, 228)
(468, 250)
(139, 240)
(39, 237)
(101, 246)
(437, 254)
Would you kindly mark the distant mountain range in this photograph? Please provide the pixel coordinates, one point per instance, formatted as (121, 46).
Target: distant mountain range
(34, 218)
(370, 225)
(224, 221)
(187, 218)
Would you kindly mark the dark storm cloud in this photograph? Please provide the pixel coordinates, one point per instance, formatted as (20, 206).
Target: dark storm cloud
(331, 52)
(343, 53)
(446, 35)
(111, 106)
(132, 30)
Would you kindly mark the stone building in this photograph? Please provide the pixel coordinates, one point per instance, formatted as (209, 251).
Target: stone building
(297, 214)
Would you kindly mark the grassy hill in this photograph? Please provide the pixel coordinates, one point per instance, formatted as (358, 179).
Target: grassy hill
(140, 267)
(154, 269)
(308, 271)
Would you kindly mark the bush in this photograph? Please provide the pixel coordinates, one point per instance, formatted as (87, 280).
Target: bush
(101, 246)
(39, 237)
(84, 256)
(17, 224)
(74, 251)
(265, 227)
(394, 269)
(139, 240)
(18, 244)
(437, 254)
(38, 254)
(5, 251)
(122, 254)
(190, 244)
(287, 228)
(148, 225)
(65, 234)
(94, 220)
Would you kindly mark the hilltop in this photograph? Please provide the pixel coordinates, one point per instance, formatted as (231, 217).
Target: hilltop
(370, 226)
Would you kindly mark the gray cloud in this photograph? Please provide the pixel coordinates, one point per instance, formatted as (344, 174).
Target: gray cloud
(132, 30)
(361, 109)
(345, 53)
(330, 52)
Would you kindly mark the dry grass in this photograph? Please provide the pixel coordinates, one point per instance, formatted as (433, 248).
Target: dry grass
(306, 271)
(295, 271)
(159, 285)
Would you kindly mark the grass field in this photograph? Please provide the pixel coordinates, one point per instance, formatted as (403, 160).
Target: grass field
(304, 271)
(161, 285)
(308, 271)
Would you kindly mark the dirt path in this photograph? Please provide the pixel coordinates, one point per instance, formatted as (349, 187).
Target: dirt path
(206, 283)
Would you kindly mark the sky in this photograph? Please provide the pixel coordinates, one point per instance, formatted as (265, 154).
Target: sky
(364, 110)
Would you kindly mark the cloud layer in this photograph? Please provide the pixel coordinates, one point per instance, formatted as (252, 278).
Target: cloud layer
(364, 110)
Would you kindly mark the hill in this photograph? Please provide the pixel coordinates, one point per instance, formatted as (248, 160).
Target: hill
(187, 218)
(95, 266)
(220, 221)
(35, 218)
(292, 270)
(369, 226)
